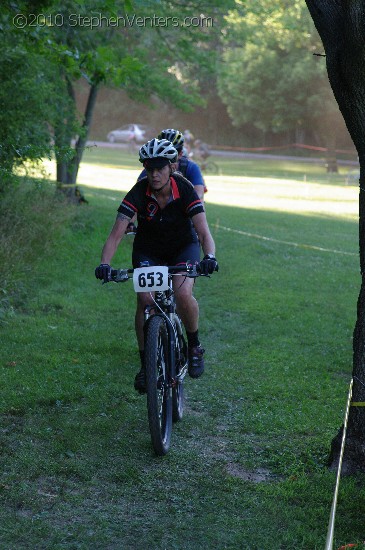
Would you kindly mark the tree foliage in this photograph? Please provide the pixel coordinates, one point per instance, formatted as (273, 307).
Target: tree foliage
(143, 59)
(26, 86)
(270, 76)
(154, 53)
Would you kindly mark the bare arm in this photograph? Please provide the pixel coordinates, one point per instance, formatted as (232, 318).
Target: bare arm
(199, 190)
(112, 242)
(202, 229)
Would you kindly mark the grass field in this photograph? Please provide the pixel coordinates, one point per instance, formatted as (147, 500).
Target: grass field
(247, 467)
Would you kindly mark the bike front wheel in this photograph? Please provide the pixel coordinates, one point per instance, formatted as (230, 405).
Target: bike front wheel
(159, 401)
(178, 396)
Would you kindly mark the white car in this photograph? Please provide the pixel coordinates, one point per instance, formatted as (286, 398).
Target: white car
(139, 132)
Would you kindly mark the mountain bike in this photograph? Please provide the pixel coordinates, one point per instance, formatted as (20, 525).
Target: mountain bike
(209, 166)
(166, 357)
(201, 155)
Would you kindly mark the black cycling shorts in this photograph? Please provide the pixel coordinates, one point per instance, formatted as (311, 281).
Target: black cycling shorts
(188, 254)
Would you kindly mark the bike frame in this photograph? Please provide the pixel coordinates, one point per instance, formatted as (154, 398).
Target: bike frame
(165, 305)
(166, 308)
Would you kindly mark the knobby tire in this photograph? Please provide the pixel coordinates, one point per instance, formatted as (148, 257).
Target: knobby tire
(158, 381)
(178, 389)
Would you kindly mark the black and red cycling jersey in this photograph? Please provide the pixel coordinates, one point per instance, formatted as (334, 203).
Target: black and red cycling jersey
(163, 231)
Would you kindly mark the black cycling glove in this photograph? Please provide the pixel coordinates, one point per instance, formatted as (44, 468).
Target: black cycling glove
(208, 265)
(103, 272)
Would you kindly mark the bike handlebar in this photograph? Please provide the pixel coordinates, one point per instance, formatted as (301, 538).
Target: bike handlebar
(122, 275)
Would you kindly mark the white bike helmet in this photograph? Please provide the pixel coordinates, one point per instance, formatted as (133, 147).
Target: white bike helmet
(158, 149)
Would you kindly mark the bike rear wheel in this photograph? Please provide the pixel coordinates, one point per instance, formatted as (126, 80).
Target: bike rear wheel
(158, 381)
(211, 167)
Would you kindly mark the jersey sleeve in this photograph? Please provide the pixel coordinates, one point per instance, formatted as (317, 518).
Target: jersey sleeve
(130, 205)
(191, 202)
(193, 174)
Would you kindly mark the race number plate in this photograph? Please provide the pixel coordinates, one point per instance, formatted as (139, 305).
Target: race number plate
(147, 279)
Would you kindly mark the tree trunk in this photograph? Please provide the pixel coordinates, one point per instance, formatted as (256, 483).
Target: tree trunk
(82, 139)
(63, 174)
(63, 138)
(68, 164)
(340, 24)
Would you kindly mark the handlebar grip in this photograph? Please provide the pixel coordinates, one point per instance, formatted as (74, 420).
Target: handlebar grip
(120, 275)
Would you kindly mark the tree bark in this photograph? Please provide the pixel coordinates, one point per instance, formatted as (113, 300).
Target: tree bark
(63, 139)
(68, 166)
(82, 139)
(341, 24)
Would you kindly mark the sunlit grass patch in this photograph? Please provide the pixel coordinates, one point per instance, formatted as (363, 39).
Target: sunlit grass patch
(268, 192)
(282, 195)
